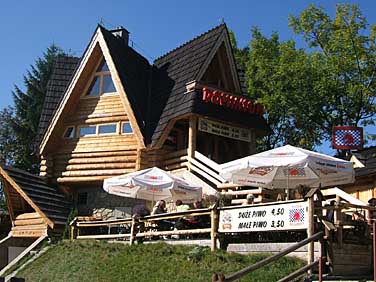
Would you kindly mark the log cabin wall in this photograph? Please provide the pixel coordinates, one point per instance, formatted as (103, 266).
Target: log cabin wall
(98, 156)
(363, 189)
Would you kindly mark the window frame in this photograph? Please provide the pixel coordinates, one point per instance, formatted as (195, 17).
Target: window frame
(88, 135)
(121, 128)
(65, 131)
(97, 134)
(100, 75)
(110, 123)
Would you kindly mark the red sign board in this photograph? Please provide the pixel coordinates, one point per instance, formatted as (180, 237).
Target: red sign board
(347, 137)
(231, 101)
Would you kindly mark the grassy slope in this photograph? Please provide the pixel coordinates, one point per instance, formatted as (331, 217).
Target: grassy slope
(99, 261)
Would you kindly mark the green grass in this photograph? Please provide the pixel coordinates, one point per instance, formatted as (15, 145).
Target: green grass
(83, 261)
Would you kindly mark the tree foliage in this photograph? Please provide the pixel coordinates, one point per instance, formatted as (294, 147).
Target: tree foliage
(308, 91)
(7, 137)
(19, 139)
(345, 46)
(277, 75)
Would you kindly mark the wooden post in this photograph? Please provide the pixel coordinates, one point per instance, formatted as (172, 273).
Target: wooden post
(133, 231)
(374, 248)
(321, 260)
(192, 136)
(214, 228)
(218, 277)
(72, 231)
(311, 229)
(338, 221)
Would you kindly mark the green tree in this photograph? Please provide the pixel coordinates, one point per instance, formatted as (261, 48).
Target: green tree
(28, 107)
(281, 78)
(7, 138)
(345, 48)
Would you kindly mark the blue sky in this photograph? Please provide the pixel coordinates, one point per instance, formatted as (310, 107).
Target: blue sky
(27, 28)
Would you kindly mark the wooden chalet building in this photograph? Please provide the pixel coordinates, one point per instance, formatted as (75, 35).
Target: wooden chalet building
(364, 187)
(112, 112)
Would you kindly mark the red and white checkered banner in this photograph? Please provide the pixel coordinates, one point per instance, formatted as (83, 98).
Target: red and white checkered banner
(347, 137)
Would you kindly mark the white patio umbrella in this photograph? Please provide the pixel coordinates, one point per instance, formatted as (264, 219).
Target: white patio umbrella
(152, 184)
(288, 167)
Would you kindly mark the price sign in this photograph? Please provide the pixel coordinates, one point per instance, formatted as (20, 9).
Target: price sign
(281, 216)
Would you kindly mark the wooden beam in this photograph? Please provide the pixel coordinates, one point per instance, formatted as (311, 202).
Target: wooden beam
(192, 136)
(66, 97)
(25, 197)
(24, 253)
(8, 200)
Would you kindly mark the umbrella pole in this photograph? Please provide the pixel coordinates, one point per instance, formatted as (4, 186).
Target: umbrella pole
(287, 188)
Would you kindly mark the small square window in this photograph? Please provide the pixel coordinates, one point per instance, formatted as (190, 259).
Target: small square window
(87, 130)
(69, 132)
(126, 128)
(107, 129)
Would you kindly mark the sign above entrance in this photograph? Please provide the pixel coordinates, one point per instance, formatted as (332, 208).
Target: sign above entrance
(231, 101)
(224, 130)
(285, 216)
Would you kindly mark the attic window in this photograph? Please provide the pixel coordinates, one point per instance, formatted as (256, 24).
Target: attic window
(69, 132)
(126, 128)
(102, 82)
(107, 128)
(88, 130)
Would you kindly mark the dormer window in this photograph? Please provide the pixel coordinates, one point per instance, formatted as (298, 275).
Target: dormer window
(102, 82)
(69, 132)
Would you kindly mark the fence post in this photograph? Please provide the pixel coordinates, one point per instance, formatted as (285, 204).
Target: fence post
(311, 229)
(214, 227)
(133, 231)
(321, 259)
(218, 277)
(73, 230)
(338, 221)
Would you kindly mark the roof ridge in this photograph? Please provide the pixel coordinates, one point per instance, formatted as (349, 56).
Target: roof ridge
(193, 39)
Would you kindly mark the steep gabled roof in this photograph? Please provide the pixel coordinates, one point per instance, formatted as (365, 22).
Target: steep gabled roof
(44, 199)
(135, 75)
(63, 70)
(367, 157)
(117, 60)
(155, 94)
(181, 66)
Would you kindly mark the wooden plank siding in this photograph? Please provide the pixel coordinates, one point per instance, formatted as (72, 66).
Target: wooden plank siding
(93, 158)
(29, 225)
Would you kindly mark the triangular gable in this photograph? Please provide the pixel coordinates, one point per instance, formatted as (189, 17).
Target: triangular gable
(181, 66)
(9, 181)
(222, 56)
(96, 49)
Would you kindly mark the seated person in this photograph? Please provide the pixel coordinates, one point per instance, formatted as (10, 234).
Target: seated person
(184, 222)
(280, 197)
(180, 206)
(249, 200)
(140, 210)
(159, 208)
(203, 221)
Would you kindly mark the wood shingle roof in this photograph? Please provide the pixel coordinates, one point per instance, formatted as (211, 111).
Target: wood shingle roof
(181, 66)
(47, 198)
(62, 73)
(156, 93)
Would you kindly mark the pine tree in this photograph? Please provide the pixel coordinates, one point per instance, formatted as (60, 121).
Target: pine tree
(28, 107)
